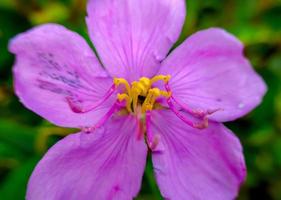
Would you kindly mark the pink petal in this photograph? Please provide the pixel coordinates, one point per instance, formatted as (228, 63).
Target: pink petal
(196, 164)
(52, 65)
(132, 37)
(209, 71)
(106, 164)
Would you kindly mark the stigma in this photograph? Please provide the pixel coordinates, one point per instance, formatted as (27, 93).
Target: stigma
(141, 93)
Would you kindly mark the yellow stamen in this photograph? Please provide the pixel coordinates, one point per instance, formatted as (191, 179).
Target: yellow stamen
(135, 96)
(147, 102)
(142, 88)
(136, 91)
(119, 81)
(166, 94)
(124, 96)
(145, 82)
(150, 99)
(160, 78)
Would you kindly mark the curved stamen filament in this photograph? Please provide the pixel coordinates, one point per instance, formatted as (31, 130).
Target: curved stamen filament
(115, 107)
(200, 125)
(77, 109)
(194, 112)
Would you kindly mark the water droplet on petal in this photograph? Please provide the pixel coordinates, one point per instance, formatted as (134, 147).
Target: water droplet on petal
(241, 105)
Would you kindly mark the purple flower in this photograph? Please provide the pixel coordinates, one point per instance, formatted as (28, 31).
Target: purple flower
(136, 99)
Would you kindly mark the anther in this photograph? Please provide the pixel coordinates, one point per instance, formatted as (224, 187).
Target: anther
(151, 97)
(147, 104)
(135, 94)
(161, 78)
(122, 97)
(142, 88)
(166, 94)
(119, 81)
(145, 81)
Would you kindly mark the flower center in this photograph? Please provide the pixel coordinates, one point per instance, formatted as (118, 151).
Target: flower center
(142, 93)
(140, 98)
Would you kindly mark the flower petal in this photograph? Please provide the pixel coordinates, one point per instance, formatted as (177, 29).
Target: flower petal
(132, 37)
(106, 164)
(196, 164)
(53, 64)
(209, 71)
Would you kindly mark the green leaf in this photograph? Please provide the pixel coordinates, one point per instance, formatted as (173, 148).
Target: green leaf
(11, 24)
(14, 185)
(19, 136)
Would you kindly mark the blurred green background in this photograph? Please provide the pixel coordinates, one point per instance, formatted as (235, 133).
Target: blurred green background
(24, 137)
